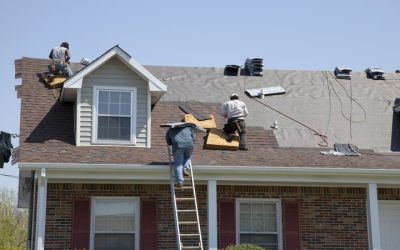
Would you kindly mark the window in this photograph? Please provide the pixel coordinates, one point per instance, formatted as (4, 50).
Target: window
(114, 223)
(114, 115)
(259, 223)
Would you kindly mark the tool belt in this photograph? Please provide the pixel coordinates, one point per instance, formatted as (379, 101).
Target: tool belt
(57, 67)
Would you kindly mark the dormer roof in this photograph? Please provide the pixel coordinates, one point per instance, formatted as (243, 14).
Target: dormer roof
(73, 84)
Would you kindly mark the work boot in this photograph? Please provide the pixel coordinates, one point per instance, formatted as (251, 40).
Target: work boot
(229, 137)
(186, 172)
(179, 184)
(243, 147)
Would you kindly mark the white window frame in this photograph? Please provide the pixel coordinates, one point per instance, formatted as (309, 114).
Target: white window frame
(276, 202)
(136, 200)
(96, 90)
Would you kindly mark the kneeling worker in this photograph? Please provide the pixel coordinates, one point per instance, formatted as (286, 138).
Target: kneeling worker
(235, 111)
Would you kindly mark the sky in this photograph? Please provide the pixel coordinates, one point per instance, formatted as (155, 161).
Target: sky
(288, 35)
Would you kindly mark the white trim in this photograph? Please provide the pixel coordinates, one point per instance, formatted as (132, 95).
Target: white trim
(374, 237)
(148, 140)
(212, 215)
(78, 119)
(75, 82)
(137, 216)
(278, 211)
(95, 99)
(41, 209)
(227, 174)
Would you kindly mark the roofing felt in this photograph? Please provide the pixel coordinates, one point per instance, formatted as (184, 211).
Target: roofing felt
(47, 126)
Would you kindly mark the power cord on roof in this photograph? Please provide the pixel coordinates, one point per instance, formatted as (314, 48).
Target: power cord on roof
(351, 98)
(324, 138)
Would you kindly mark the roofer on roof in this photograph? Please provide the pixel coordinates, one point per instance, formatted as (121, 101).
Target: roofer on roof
(235, 111)
(60, 56)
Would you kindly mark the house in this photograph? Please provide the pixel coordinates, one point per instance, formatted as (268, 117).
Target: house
(101, 162)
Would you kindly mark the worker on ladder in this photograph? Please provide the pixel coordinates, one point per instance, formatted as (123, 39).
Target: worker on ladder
(182, 140)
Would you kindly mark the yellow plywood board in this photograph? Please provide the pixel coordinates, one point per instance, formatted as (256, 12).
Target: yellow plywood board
(216, 139)
(57, 81)
(207, 124)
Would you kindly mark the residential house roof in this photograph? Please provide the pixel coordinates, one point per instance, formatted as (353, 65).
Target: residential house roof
(314, 98)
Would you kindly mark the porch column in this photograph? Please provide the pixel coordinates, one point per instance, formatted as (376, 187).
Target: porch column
(212, 215)
(41, 209)
(373, 218)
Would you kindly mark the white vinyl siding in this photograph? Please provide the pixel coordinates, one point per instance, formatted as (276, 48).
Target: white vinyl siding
(259, 223)
(113, 74)
(114, 223)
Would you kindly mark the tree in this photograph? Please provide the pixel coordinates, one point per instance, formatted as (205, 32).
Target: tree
(13, 222)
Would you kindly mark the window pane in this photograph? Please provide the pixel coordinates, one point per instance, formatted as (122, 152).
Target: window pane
(103, 108)
(114, 241)
(125, 109)
(104, 96)
(114, 122)
(245, 207)
(115, 97)
(114, 109)
(115, 207)
(125, 97)
(114, 223)
(267, 241)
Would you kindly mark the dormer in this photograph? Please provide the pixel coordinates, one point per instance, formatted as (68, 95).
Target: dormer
(113, 96)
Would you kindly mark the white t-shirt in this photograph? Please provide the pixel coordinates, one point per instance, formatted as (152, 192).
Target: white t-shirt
(59, 53)
(234, 108)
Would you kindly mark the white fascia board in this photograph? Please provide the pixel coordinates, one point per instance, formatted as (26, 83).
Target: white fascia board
(75, 82)
(226, 174)
(154, 83)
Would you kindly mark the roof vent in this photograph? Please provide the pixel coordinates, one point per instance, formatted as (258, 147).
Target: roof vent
(254, 67)
(231, 70)
(375, 73)
(343, 73)
(397, 71)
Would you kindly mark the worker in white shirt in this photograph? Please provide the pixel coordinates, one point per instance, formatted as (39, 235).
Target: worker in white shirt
(60, 56)
(235, 111)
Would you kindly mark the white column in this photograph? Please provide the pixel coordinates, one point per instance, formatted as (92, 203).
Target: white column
(41, 209)
(212, 216)
(373, 218)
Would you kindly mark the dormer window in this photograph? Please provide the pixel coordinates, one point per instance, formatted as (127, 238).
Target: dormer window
(114, 115)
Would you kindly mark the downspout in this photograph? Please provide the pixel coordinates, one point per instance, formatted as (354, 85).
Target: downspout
(30, 213)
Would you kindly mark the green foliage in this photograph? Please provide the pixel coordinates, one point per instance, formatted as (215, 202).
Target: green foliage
(13, 222)
(244, 247)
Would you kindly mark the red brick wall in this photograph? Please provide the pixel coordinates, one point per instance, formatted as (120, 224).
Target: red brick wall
(330, 218)
(59, 209)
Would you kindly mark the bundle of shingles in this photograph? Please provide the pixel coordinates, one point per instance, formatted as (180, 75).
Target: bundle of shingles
(343, 149)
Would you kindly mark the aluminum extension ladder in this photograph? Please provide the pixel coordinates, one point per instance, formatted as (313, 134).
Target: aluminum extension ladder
(186, 214)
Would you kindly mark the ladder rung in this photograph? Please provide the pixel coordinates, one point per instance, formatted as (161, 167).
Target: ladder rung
(191, 247)
(189, 235)
(184, 199)
(187, 211)
(184, 187)
(188, 222)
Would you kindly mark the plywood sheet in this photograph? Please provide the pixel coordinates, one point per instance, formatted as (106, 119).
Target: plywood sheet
(207, 124)
(216, 139)
(57, 81)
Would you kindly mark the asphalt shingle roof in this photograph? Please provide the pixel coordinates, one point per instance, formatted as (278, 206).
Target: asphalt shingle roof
(47, 130)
